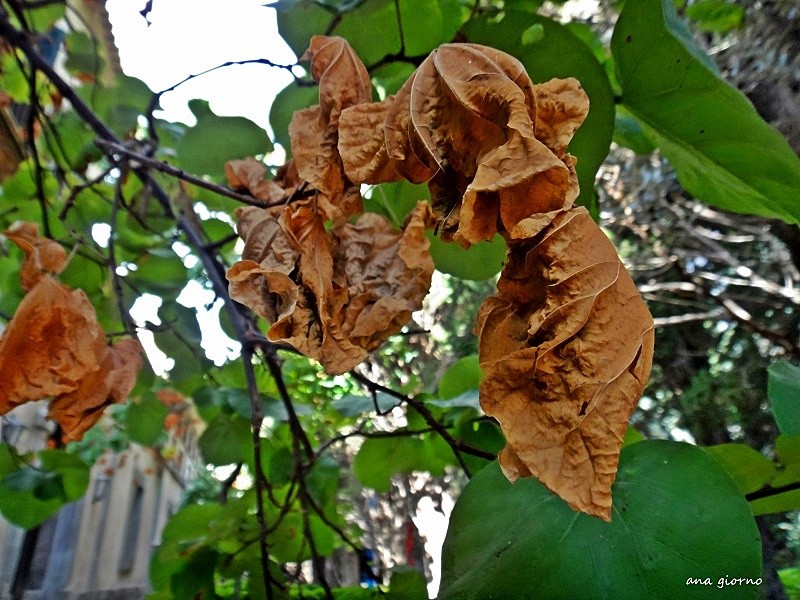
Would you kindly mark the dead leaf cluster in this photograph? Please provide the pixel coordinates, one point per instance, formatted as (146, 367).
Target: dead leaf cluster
(566, 346)
(54, 347)
(566, 342)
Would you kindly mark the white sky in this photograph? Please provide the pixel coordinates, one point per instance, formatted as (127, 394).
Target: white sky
(186, 37)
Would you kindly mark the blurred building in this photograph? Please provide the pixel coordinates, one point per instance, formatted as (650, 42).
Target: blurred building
(100, 546)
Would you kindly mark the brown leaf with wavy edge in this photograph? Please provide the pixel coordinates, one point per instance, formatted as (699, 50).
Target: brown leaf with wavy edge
(566, 346)
(561, 107)
(42, 256)
(314, 132)
(54, 347)
(49, 346)
(333, 297)
(248, 175)
(77, 410)
(387, 274)
(467, 121)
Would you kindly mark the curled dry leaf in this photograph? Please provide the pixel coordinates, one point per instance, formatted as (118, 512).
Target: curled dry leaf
(54, 347)
(49, 346)
(42, 256)
(77, 410)
(566, 347)
(468, 121)
(314, 132)
(333, 297)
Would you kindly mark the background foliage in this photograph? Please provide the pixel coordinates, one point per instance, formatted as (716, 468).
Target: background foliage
(93, 159)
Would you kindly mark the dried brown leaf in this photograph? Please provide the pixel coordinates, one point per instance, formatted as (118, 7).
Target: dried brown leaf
(248, 175)
(561, 107)
(314, 132)
(566, 346)
(49, 346)
(334, 297)
(77, 410)
(54, 347)
(467, 122)
(42, 256)
(386, 274)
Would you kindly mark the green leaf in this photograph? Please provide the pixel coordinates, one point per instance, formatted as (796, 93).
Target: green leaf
(144, 420)
(559, 53)
(380, 458)
(290, 99)
(395, 200)
(442, 20)
(371, 30)
(468, 399)
(718, 16)
(632, 436)
(226, 440)
(629, 133)
(322, 480)
(750, 470)
(8, 461)
(83, 59)
(504, 538)
(407, 584)
(723, 152)
(778, 503)
(533, 34)
(204, 149)
(389, 78)
(352, 406)
(783, 389)
(481, 261)
(298, 20)
(462, 376)
(30, 495)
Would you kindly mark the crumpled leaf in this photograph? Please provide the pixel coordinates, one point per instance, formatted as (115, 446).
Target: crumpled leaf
(333, 297)
(54, 347)
(566, 346)
(76, 411)
(314, 132)
(248, 175)
(468, 121)
(42, 256)
(52, 342)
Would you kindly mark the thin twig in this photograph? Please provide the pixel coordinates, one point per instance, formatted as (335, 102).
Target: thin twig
(159, 165)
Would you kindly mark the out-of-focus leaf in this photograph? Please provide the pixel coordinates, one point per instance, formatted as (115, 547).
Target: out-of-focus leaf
(750, 470)
(442, 20)
(630, 134)
(360, 25)
(783, 389)
(407, 585)
(380, 458)
(478, 262)
(462, 376)
(226, 440)
(204, 148)
(719, 16)
(723, 152)
(298, 20)
(504, 538)
(352, 406)
(290, 99)
(144, 420)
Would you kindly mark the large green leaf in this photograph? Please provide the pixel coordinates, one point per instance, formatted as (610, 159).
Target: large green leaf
(226, 440)
(30, 495)
(723, 152)
(480, 261)
(290, 99)
(558, 53)
(521, 541)
(750, 470)
(144, 420)
(460, 377)
(442, 20)
(204, 149)
(783, 389)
